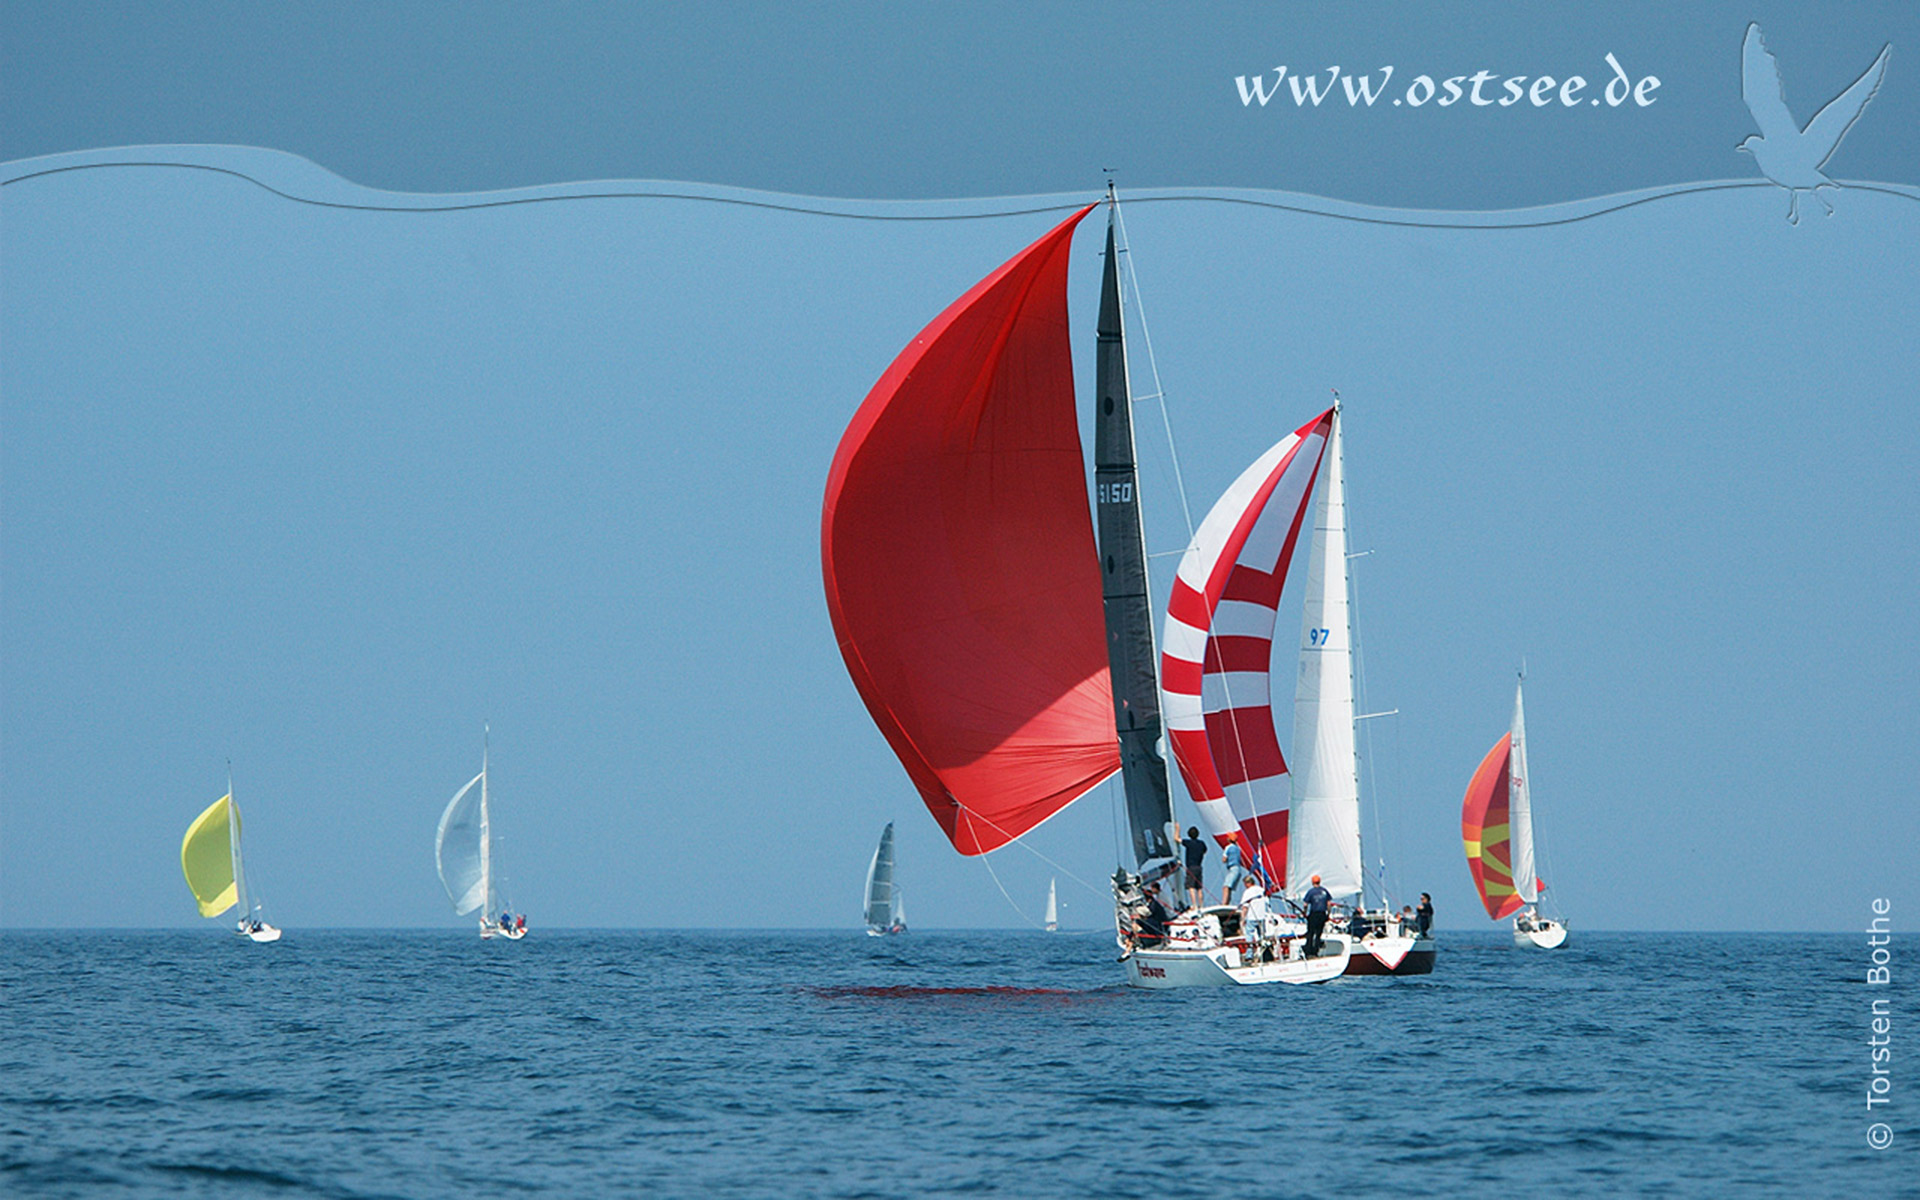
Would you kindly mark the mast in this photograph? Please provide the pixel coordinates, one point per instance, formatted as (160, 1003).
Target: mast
(1520, 807)
(1324, 825)
(1123, 575)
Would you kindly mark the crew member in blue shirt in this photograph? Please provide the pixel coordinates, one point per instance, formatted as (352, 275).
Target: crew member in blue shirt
(1316, 899)
(1236, 874)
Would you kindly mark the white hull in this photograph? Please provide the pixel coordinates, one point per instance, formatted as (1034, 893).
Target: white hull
(1542, 935)
(266, 933)
(1220, 966)
(497, 931)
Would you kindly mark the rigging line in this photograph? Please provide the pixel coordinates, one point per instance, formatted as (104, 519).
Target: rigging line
(1018, 911)
(1153, 369)
(1017, 840)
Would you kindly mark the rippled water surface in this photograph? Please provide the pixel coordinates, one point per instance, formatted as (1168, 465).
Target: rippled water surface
(589, 1063)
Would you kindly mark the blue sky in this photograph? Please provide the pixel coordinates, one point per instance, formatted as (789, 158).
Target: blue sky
(322, 490)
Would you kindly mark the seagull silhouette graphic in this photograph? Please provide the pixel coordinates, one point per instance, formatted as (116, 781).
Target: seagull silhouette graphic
(1787, 154)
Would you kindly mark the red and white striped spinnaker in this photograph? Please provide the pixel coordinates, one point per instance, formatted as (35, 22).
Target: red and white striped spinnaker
(1218, 650)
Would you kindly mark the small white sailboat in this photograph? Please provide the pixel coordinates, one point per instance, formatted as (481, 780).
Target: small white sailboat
(1053, 908)
(216, 873)
(886, 912)
(1496, 826)
(463, 852)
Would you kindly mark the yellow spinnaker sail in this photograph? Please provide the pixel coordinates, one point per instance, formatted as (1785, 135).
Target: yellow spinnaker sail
(206, 858)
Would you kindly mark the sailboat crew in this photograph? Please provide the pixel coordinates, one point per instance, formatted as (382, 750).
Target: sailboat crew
(1152, 924)
(1236, 874)
(1316, 899)
(1196, 852)
(1255, 913)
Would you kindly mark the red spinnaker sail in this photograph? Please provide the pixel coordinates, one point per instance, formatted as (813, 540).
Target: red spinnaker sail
(1484, 830)
(959, 559)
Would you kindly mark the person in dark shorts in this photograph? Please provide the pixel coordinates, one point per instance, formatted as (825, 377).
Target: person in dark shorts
(1316, 899)
(1196, 851)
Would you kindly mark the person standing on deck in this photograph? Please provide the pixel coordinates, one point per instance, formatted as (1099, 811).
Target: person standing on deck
(1423, 916)
(1235, 872)
(1316, 899)
(1196, 851)
(1255, 912)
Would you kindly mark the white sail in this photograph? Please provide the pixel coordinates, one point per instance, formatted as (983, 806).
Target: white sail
(1053, 908)
(1520, 809)
(460, 847)
(881, 901)
(1323, 828)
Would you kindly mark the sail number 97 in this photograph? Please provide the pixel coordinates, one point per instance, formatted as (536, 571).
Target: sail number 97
(1318, 637)
(1114, 493)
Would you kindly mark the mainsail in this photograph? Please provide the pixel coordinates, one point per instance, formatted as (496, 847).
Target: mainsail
(880, 893)
(1520, 808)
(1485, 830)
(207, 857)
(1323, 828)
(1218, 653)
(959, 560)
(1123, 570)
(462, 848)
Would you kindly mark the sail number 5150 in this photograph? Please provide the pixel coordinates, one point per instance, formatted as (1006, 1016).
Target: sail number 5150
(1114, 493)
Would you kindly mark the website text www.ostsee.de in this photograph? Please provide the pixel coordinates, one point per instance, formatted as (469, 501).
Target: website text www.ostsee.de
(1613, 88)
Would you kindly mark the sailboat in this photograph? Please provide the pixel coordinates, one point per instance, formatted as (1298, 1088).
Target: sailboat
(463, 852)
(1006, 656)
(216, 874)
(1053, 909)
(1496, 825)
(886, 912)
(1299, 823)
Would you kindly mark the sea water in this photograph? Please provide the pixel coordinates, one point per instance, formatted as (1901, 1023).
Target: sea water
(582, 1063)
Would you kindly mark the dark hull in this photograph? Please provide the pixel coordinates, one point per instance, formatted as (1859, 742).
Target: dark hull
(1419, 961)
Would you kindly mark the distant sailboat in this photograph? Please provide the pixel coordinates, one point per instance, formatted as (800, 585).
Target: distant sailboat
(886, 912)
(463, 851)
(210, 859)
(1053, 909)
(1496, 825)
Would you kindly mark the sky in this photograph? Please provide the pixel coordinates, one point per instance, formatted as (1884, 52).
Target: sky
(341, 418)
